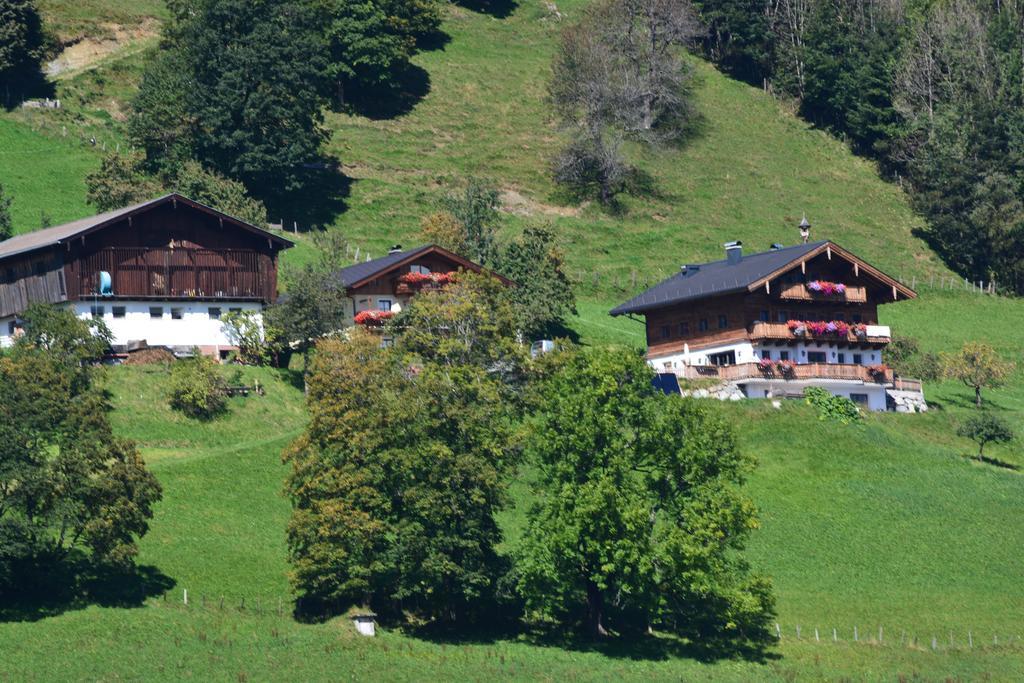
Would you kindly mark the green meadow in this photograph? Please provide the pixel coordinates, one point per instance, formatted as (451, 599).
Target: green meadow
(882, 525)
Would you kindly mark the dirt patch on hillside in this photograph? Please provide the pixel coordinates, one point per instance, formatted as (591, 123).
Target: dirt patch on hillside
(83, 53)
(515, 203)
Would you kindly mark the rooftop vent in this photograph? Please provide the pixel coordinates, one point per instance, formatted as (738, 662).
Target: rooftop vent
(776, 246)
(733, 252)
(396, 249)
(688, 270)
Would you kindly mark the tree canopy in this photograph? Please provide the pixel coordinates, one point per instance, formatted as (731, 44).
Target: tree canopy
(66, 481)
(23, 44)
(639, 514)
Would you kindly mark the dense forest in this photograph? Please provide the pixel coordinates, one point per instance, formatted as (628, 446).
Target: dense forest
(932, 90)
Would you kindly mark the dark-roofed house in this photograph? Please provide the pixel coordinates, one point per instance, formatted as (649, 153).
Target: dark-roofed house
(773, 323)
(379, 288)
(163, 271)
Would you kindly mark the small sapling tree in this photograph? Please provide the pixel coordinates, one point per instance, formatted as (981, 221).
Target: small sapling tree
(197, 388)
(984, 429)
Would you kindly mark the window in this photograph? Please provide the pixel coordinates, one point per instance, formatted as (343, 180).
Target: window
(857, 359)
(780, 316)
(387, 342)
(156, 311)
(703, 325)
(383, 304)
(855, 317)
(97, 311)
(119, 311)
(723, 322)
(861, 399)
(666, 332)
(725, 358)
(765, 353)
(842, 358)
(783, 355)
(60, 282)
(214, 312)
(234, 310)
(422, 270)
(175, 314)
(10, 328)
(765, 317)
(815, 356)
(684, 329)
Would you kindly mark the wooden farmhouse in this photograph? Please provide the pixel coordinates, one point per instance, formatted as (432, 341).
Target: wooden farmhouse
(163, 272)
(378, 289)
(773, 323)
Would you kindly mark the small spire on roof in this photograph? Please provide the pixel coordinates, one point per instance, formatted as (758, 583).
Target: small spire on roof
(805, 229)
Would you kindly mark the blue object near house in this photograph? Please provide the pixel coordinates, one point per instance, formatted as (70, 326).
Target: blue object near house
(667, 383)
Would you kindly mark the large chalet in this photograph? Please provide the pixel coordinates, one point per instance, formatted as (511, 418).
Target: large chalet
(776, 322)
(162, 272)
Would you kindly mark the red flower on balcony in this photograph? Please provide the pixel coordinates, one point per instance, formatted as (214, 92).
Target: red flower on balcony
(821, 328)
(878, 371)
(786, 367)
(372, 318)
(422, 279)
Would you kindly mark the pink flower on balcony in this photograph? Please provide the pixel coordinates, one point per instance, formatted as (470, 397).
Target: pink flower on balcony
(827, 288)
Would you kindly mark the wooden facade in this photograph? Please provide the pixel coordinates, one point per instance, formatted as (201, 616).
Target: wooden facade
(31, 278)
(717, 320)
(168, 249)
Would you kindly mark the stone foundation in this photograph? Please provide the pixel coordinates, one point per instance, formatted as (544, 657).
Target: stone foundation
(906, 401)
(726, 391)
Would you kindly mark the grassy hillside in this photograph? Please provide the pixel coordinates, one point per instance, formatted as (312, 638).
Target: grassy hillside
(885, 524)
(861, 527)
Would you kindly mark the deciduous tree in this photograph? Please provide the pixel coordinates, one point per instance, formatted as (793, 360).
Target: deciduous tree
(639, 517)
(978, 366)
(66, 481)
(984, 429)
(22, 46)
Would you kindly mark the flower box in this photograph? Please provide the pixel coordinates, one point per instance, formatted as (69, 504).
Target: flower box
(372, 318)
(826, 288)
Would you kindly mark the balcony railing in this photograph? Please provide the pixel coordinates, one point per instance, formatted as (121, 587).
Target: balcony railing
(800, 292)
(837, 371)
(138, 272)
(874, 334)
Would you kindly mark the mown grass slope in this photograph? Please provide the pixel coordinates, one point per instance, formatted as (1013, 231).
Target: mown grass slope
(885, 524)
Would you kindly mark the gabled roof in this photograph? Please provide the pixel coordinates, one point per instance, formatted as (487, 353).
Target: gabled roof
(360, 273)
(720, 277)
(58, 234)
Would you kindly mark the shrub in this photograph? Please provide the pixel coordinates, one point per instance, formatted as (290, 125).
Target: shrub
(832, 407)
(197, 388)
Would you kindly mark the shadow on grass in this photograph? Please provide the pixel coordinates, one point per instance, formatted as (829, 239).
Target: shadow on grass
(396, 99)
(638, 647)
(499, 9)
(995, 462)
(40, 590)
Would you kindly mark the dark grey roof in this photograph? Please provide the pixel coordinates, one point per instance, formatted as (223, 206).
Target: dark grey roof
(715, 278)
(49, 237)
(360, 271)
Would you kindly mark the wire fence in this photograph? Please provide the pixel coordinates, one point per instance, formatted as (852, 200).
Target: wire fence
(958, 639)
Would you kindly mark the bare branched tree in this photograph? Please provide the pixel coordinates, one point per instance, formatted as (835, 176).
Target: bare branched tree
(621, 72)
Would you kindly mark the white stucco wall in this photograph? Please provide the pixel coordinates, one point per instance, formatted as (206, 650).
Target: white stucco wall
(779, 388)
(195, 328)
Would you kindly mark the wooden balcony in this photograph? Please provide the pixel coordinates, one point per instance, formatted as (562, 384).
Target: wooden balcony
(141, 273)
(748, 371)
(761, 331)
(800, 292)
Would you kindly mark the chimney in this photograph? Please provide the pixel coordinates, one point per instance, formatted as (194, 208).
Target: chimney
(733, 252)
(397, 249)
